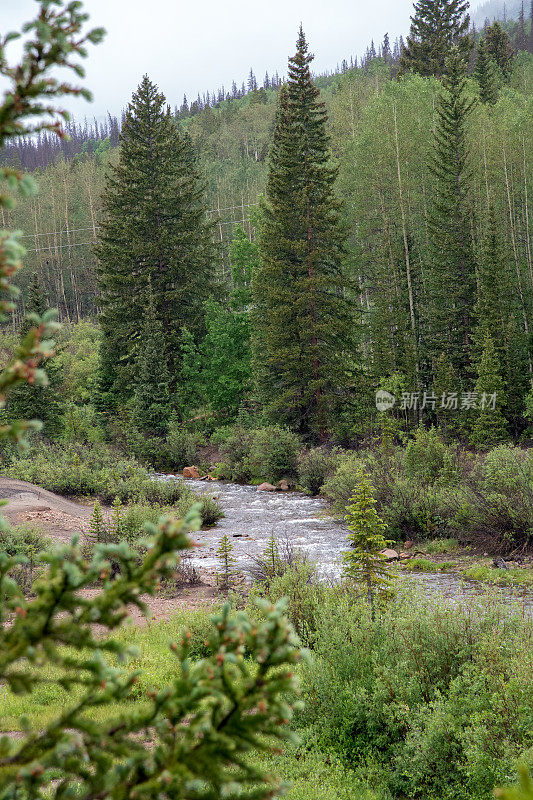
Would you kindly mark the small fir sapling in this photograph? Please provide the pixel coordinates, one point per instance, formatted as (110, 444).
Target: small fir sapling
(228, 574)
(363, 562)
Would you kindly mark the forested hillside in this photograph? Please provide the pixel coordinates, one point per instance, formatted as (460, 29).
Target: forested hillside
(414, 251)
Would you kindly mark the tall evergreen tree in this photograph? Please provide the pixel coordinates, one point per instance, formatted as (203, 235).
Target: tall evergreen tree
(154, 233)
(499, 47)
(485, 75)
(452, 269)
(151, 401)
(301, 316)
(435, 27)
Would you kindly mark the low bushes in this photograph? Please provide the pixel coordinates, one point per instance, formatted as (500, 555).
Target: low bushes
(495, 505)
(268, 453)
(485, 501)
(95, 471)
(315, 467)
(437, 696)
(26, 542)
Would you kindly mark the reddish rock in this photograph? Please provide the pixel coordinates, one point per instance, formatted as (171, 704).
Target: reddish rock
(390, 555)
(266, 487)
(191, 472)
(283, 486)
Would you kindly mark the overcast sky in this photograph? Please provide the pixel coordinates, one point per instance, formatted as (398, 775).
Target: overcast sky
(199, 45)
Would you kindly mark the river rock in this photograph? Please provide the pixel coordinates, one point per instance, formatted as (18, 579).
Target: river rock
(499, 563)
(266, 487)
(191, 472)
(403, 556)
(390, 555)
(282, 486)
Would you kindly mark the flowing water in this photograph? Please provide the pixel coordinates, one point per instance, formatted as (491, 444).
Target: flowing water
(252, 517)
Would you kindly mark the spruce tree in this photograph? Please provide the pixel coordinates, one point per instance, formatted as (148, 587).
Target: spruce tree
(42, 401)
(489, 427)
(302, 321)
(154, 233)
(446, 390)
(271, 559)
(363, 562)
(151, 401)
(485, 75)
(436, 26)
(97, 527)
(452, 269)
(227, 573)
(499, 48)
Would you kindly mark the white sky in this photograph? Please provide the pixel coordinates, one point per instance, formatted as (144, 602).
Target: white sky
(199, 46)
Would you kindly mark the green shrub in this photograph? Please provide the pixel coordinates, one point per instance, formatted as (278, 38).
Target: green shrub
(269, 453)
(181, 445)
(424, 455)
(134, 517)
(210, 510)
(274, 453)
(340, 486)
(493, 510)
(23, 540)
(315, 466)
(235, 445)
(92, 471)
(439, 693)
(299, 584)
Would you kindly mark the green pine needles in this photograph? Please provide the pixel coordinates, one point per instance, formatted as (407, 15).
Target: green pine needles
(436, 26)
(452, 268)
(302, 314)
(363, 562)
(190, 738)
(486, 74)
(151, 400)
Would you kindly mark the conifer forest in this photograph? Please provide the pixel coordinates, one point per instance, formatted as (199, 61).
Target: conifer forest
(266, 419)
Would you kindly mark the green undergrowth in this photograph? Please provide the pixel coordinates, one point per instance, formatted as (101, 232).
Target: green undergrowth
(442, 547)
(95, 471)
(500, 577)
(431, 700)
(425, 565)
(153, 660)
